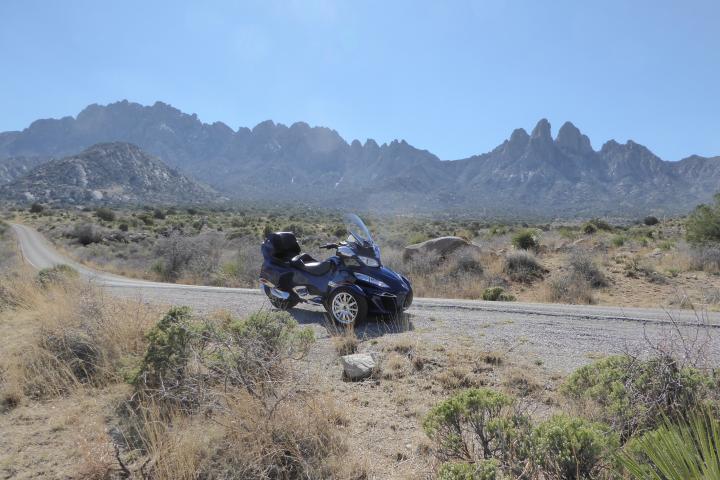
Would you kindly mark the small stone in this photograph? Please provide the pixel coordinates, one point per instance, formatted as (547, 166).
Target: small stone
(358, 365)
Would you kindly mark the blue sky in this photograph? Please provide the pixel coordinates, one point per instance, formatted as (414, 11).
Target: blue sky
(453, 77)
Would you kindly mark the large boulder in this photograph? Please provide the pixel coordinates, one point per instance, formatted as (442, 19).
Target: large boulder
(358, 365)
(438, 247)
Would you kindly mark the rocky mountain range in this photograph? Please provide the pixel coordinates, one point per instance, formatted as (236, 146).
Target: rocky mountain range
(528, 174)
(108, 172)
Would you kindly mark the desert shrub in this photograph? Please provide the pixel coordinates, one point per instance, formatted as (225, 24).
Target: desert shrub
(650, 221)
(36, 208)
(619, 240)
(158, 214)
(633, 395)
(104, 213)
(527, 239)
(635, 267)
(257, 348)
(589, 228)
(582, 266)
(478, 424)
(124, 227)
(523, 267)
(56, 275)
(705, 258)
(498, 294)
(702, 225)
(679, 450)
(179, 254)
(147, 219)
(86, 234)
(169, 347)
(572, 448)
(484, 470)
(464, 261)
(595, 225)
(249, 353)
(569, 288)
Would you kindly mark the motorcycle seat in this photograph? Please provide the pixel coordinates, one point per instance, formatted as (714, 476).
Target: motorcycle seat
(308, 264)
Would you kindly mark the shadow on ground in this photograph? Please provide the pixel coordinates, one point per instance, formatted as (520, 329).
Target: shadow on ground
(372, 327)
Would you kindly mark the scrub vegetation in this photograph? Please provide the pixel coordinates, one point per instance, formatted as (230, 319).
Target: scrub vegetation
(651, 262)
(94, 386)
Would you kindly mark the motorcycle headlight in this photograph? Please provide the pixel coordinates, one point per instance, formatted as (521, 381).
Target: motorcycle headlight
(372, 281)
(370, 262)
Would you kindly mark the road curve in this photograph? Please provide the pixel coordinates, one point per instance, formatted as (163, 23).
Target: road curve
(39, 253)
(559, 337)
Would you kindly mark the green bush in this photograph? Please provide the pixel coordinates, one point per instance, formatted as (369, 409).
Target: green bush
(497, 294)
(36, 208)
(688, 449)
(702, 226)
(484, 470)
(589, 228)
(257, 348)
(105, 214)
(650, 221)
(56, 275)
(478, 424)
(619, 240)
(168, 351)
(86, 234)
(595, 225)
(527, 239)
(572, 448)
(124, 227)
(633, 395)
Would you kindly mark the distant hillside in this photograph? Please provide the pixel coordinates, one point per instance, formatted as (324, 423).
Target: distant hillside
(109, 172)
(528, 174)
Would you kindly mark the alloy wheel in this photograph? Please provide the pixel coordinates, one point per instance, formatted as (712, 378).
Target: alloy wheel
(345, 308)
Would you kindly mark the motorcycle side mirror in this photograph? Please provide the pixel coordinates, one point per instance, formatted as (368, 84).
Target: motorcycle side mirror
(345, 251)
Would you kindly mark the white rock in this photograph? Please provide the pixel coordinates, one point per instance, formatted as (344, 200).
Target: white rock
(358, 365)
(440, 246)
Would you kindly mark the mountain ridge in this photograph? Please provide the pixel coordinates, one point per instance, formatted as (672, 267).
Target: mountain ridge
(525, 174)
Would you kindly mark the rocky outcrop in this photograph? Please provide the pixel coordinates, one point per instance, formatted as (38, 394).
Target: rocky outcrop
(439, 247)
(107, 173)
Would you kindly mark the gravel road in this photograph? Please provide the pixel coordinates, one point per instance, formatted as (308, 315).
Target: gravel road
(563, 337)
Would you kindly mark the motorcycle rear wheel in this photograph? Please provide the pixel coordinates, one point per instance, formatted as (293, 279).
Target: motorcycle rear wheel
(279, 303)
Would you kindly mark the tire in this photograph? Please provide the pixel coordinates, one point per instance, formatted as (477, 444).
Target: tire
(408, 301)
(279, 303)
(346, 307)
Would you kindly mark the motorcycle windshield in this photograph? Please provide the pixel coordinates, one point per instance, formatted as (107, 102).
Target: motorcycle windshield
(357, 231)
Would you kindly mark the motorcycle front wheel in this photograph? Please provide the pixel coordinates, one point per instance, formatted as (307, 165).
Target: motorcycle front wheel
(346, 307)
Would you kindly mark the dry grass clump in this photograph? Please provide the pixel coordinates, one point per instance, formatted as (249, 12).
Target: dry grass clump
(298, 437)
(71, 335)
(568, 288)
(395, 365)
(705, 258)
(345, 342)
(215, 397)
(520, 383)
(523, 267)
(583, 267)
